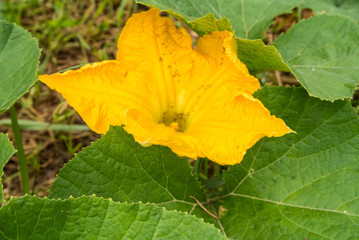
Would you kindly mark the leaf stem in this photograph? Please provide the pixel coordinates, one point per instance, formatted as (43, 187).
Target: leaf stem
(205, 209)
(197, 166)
(33, 125)
(205, 167)
(70, 68)
(218, 221)
(24, 173)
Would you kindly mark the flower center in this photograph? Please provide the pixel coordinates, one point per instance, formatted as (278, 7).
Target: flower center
(177, 121)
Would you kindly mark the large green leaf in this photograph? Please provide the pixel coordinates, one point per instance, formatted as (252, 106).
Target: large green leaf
(119, 168)
(19, 58)
(344, 7)
(300, 186)
(249, 19)
(97, 218)
(6, 151)
(323, 53)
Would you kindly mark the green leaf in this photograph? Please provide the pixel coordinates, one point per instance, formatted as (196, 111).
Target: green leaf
(19, 58)
(344, 7)
(6, 151)
(119, 168)
(249, 18)
(322, 52)
(97, 218)
(300, 186)
(205, 25)
(259, 57)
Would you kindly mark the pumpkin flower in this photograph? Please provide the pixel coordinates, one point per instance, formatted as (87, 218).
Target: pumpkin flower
(197, 101)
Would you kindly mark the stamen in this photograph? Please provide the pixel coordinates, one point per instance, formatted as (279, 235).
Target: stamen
(177, 121)
(174, 125)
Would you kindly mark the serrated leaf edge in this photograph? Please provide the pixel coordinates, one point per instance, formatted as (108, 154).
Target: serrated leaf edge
(291, 29)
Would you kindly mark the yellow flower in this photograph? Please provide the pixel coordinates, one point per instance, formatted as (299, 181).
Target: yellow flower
(196, 101)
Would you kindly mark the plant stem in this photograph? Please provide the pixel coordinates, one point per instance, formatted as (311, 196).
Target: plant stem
(205, 167)
(217, 169)
(33, 125)
(197, 166)
(24, 173)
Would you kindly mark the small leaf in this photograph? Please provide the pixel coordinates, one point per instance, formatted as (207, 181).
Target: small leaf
(249, 18)
(6, 151)
(322, 52)
(300, 186)
(97, 218)
(206, 24)
(259, 57)
(119, 168)
(19, 58)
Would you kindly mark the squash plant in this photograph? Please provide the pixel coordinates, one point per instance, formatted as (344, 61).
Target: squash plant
(296, 181)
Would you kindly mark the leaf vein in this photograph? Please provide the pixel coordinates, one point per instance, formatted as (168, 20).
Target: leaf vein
(301, 226)
(138, 161)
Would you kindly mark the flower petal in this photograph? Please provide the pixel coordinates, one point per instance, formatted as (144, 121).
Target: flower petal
(221, 46)
(196, 101)
(152, 44)
(101, 93)
(148, 132)
(224, 117)
(226, 128)
(216, 70)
